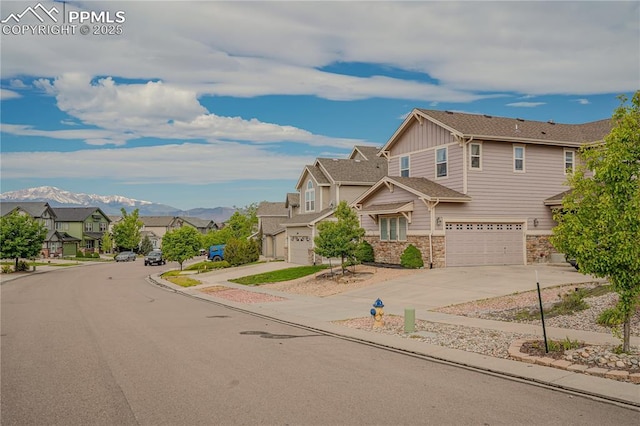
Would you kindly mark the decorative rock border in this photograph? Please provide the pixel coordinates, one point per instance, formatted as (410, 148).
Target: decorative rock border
(624, 376)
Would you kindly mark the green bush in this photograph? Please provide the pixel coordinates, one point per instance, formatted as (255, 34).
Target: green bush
(79, 254)
(239, 252)
(411, 258)
(610, 318)
(22, 266)
(364, 252)
(6, 269)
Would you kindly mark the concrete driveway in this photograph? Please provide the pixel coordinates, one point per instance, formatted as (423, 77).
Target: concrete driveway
(433, 288)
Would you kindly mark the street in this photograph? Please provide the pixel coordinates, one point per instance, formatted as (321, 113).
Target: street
(100, 345)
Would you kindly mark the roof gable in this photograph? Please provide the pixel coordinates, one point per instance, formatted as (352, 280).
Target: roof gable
(353, 171)
(314, 173)
(161, 221)
(486, 127)
(77, 214)
(35, 209)
(420, 187)
(364, 152)
(269, 208)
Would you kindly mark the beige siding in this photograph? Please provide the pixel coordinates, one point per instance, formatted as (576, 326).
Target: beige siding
(497, 191)
(349, 193)
(325, 198)
(423, 164)
(420, 218)
(420, 136)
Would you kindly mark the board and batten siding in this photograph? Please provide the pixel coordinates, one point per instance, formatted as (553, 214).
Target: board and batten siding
(349, 193)
(420, 218)
(498, 191)
(420, 136)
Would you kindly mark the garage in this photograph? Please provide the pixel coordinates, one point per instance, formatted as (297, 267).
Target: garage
(299, 246)
(478, 244)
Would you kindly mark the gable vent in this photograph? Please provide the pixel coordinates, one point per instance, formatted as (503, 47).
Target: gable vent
(487, 116)
(520, 119)
(449, 112)
(551, 122)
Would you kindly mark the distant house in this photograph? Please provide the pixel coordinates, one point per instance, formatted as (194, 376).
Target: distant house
(270, 215)
(87, 224)
(321, 186)
(56, 243)
(470, 189)
(202, 225)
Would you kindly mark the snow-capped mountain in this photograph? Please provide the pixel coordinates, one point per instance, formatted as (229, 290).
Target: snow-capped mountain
(53, 194)
(111, 204)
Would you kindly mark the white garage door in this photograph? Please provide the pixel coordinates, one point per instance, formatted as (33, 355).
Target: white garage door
(299, 247)
(474, 244)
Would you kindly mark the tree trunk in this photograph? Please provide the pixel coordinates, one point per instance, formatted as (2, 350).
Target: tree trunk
(626, 333)
(15, 268)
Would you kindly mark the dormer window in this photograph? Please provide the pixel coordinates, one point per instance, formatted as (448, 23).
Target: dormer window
(310, 197)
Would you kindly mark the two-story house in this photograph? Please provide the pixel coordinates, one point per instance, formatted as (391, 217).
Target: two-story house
(471, 189)
(87, 224)
(321, 186)
(270, 231)
(56, 243)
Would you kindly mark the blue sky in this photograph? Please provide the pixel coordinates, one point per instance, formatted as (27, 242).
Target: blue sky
(210, 104)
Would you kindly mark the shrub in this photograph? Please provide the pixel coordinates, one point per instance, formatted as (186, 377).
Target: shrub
(22, 266)
(239, 252)
(411, 258)
(6, 269)
(610, 318)
(79, 254)
(364, 252)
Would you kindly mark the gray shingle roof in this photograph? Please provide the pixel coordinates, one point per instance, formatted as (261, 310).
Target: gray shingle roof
(306, 218)
(157, 220)
(556, 200)
(490, 127)
(317, 174)
(34, 208)
(271, 225)
(293, 199)
(197, 222)
(429, 188)
(366, 151)
(387, 207)
(269, 208)
(354, 171)
(76, 214)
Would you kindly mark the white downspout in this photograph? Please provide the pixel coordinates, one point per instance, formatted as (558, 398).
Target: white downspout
(431, 206)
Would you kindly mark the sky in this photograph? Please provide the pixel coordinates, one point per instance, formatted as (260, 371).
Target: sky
(212, 103)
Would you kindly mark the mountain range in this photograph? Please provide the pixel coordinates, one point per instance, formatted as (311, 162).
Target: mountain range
(111, 204)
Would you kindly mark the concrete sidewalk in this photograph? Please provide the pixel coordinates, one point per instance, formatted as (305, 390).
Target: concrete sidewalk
(426, 290)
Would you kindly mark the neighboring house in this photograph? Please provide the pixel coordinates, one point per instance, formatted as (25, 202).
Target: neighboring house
(155, 227)
(270, 216)
(55, 243)
(87, 224)
(472, 189)
(321, 186)
(202, 225)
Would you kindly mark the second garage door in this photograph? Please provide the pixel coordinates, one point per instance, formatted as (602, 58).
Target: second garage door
(476, 244)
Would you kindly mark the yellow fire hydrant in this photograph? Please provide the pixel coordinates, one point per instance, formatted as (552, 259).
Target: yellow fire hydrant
(377, 312)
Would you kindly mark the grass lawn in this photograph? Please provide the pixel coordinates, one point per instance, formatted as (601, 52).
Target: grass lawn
(181, 280)
(281, 275)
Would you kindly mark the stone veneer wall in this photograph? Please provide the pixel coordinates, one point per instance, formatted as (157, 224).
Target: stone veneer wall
(390, 251)
(539, 249)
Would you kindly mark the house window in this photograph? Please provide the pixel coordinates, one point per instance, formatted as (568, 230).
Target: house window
(569, 161)
(404, 166)
(310, 197)
(393, 228)
(62, 226)
(518, 158)
(441, 162)
(103, 226)
(475, 156)
(88, 227)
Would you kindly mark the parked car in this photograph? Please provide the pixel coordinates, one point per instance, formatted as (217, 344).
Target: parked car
(126, 256)
(154, 257)
(216, 253)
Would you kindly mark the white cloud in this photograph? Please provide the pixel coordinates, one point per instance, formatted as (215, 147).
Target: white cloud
(176, 164)
(583, 101)
(155, 109)
(17, 84)
(260, 48)
(5, 95)
(526, 104)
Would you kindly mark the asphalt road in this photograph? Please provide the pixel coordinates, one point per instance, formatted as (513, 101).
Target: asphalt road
(100, 345)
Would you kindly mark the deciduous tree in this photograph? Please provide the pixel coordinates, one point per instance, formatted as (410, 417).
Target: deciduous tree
(599, 224)
(339, 238)
(21, 236)
(126, 233)
(181, 244)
